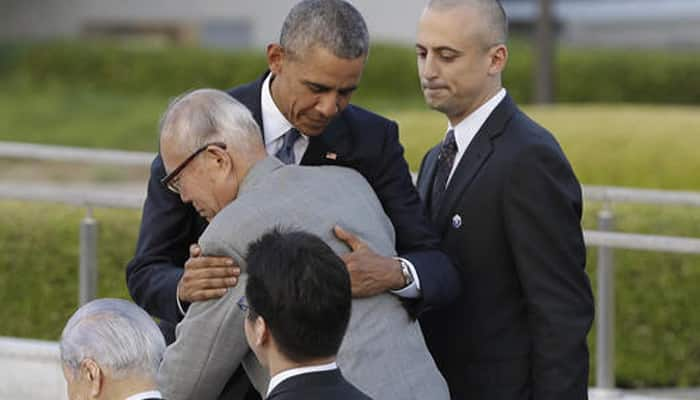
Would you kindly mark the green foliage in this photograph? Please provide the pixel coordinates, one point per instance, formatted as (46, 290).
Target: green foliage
(582, 75)
(39, 264)
(655, 326)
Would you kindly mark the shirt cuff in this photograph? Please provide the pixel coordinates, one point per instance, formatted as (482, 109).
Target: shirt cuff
(179, 305)
(411, 291)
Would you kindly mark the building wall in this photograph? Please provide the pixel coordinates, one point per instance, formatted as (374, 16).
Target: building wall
(636, 23)
(392, 20)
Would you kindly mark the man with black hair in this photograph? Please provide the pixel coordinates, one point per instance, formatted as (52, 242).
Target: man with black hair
(298, 301)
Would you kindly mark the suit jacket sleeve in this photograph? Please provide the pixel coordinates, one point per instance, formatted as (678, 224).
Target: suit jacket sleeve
(210, 342)
(168, 228)
(415, 238)
(542, 212)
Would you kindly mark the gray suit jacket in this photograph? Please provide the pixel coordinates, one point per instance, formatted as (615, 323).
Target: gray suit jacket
(383, 352)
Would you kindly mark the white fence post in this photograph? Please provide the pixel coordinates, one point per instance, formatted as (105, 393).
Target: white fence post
(88, 258)
(605, 337)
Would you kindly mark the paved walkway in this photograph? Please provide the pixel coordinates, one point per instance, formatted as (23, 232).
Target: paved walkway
(31, 370)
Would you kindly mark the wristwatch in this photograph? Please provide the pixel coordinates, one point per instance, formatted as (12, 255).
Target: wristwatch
(406, 272)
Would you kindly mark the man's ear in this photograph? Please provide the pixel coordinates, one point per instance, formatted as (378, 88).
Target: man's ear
(262, 332)
(499, 58)
(220, 157)
(275, 58)
(91, 373)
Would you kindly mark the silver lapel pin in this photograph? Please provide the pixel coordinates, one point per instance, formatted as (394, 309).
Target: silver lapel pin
(456, 221)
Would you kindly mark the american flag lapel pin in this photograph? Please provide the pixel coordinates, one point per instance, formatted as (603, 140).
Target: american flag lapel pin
(331, 156)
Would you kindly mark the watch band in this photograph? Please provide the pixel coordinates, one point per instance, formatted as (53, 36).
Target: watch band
(406, 272)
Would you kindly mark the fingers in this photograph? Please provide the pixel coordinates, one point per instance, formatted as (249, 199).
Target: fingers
(207, 278)
(205, 285)
(195, 250)
(353, 241)
(199, 262)
(204, 295)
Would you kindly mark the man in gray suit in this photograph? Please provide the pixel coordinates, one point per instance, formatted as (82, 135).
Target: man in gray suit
(215, 159)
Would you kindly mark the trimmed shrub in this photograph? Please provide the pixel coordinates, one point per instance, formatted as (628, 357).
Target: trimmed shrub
(582, 75)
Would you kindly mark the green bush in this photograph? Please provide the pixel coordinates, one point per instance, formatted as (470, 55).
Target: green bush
(656, 341)
(582, 75)
(39, 264)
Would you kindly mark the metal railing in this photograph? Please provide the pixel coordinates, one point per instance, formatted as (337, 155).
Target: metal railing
(603, 238)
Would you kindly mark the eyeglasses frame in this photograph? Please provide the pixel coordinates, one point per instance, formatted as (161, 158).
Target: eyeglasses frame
(167, 179)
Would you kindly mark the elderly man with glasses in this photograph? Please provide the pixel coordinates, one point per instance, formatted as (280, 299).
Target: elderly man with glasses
(213, 153)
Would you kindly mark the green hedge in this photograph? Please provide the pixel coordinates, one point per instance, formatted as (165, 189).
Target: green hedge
(656, 293)
(583, 75)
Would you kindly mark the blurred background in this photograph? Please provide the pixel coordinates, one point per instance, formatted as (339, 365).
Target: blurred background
(616, 81)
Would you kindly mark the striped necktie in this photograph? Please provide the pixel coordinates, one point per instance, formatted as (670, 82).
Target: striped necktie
(286, 152)
(446, 159)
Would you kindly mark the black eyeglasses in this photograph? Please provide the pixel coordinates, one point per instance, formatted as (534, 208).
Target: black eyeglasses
(243, 304)
(169, 180)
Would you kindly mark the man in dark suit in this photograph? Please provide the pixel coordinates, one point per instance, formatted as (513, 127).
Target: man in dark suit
(302, 106)
(295, 326)
(507, 205)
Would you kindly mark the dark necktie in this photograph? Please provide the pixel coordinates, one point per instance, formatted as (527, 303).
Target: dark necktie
(286, 152)
(446, 159)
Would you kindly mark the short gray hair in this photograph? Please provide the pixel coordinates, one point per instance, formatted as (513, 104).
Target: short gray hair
(334, 25)
(492, 10)
(208, 115)
(117, 334)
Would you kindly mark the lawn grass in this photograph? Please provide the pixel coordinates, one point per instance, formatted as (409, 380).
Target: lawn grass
(621, 145)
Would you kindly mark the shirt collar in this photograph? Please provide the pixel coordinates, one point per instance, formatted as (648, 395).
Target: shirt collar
(466, 129)
(274, 122)
(152, 394)
(284, 375)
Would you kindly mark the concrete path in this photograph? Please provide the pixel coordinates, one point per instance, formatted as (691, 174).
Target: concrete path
(31, 370)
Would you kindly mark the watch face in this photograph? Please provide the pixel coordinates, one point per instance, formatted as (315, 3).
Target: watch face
(406, 272)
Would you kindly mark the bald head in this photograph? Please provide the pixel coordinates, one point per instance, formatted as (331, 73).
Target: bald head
(495, 26)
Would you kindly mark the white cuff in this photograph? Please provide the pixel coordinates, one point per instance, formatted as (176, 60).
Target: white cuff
(411, 291)
(177, 298)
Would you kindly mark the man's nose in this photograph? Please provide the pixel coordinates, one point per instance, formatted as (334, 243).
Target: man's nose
(184, 196)
(428, 68)
(328, 105)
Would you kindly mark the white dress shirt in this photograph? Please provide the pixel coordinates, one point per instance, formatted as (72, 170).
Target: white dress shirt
(153, 394)
(275, 125)
(468, 128)
(284, 375)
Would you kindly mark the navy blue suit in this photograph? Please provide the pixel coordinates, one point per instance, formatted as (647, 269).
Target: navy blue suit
(510, 218)
(360, 140)
(325, 385)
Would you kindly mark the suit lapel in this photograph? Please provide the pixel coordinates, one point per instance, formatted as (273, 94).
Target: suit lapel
(427, 175)
(474, 158)
(332, 146)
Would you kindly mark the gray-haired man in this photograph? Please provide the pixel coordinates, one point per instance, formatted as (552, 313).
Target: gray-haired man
(110, 350)
(216, 161)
